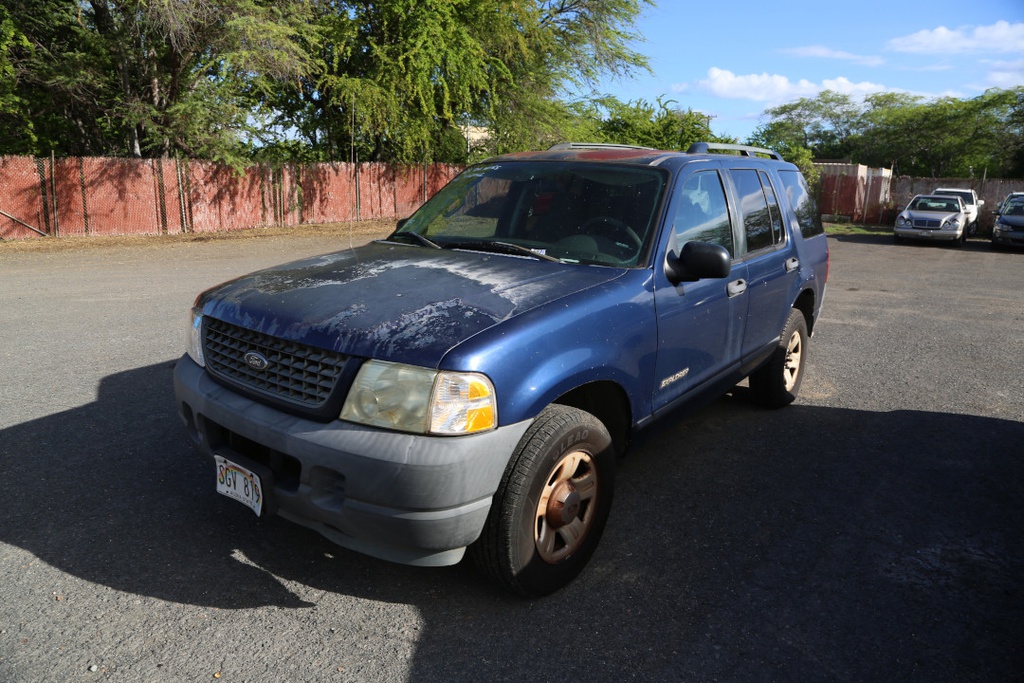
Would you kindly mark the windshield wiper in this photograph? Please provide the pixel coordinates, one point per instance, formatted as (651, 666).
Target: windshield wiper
(424, 241)
(501, 248)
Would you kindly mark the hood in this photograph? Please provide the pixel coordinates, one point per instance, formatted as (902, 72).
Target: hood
(394, 302)
(937, 216)
(1014, 220)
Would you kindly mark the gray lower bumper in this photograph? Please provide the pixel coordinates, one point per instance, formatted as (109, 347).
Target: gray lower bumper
(402, 497)
(928, 235)
(1015, 238)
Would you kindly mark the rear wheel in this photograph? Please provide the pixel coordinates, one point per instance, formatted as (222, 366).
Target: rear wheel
(551, 506)
(777, 383)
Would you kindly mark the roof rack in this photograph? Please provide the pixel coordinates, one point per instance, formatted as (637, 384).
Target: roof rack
(593, 145)
(744, 150)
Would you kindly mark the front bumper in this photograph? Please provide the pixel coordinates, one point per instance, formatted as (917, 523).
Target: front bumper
(936, 235)
(407, 498)
(1014, 238)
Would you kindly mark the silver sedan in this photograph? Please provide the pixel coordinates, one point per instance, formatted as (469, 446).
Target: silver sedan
(937, 218)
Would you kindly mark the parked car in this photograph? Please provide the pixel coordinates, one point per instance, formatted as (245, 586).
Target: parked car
(1006, 200)
(940, 218)
(972, 205)
(1009, 227)
(469, 381)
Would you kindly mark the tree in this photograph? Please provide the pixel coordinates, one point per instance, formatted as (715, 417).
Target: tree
(16, 131)
(824, 124)
(660, 125)
(150, 77)
(945, 137)
(231, 80)
(399, 77)
(789, 139)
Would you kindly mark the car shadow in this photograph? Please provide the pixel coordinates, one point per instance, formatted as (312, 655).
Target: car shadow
(811, 543)
(974, 244)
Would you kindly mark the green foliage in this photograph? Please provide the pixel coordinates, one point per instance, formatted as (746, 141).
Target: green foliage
(660, 125)
(151, 76)
(946, 137)
(325, 80)
(399, 78)
(16, 131)
(790, 141)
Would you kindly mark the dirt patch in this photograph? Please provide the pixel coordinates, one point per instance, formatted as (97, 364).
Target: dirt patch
(363, 230)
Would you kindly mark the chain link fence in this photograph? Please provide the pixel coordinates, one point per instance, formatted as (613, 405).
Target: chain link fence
(106, 196)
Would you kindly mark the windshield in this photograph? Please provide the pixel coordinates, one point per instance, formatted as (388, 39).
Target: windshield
(567, 211)
(934, 204)
(965, 196)
(1014, 208)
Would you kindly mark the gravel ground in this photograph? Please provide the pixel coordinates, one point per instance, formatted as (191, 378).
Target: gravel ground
(872, 531)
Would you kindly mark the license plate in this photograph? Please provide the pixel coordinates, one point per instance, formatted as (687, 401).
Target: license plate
(235, 481)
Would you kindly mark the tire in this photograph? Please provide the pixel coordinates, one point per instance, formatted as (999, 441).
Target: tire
(777, 383)
(551, 506)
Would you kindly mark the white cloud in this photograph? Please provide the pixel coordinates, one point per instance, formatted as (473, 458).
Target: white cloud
(822, 52)
(773, 88)
(1006, 74)
(759, 87)
(1001, 36)
(848, 87)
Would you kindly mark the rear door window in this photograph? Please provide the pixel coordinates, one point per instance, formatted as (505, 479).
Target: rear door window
(803, 203)
(755, 209)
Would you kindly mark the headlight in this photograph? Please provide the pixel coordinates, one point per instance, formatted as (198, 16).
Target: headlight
(902, 222)
(462, 403)
(951, 224)
(413, 399)
(194, 342)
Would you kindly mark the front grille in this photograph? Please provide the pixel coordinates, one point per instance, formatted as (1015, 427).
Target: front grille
(302, 375)
(926, 223)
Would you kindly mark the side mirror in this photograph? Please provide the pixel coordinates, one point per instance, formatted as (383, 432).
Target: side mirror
(698, 261)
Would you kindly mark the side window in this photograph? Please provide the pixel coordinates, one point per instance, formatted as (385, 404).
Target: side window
(773, 207)
(702, 213)
(803, 203)
(757, 220)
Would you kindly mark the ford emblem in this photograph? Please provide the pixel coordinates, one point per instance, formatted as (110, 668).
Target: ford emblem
(255, 360)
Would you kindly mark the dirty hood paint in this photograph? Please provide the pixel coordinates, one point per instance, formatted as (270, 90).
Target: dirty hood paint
(394, 302)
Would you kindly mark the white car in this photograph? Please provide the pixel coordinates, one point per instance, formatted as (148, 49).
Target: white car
(940, 218)
(972, 205)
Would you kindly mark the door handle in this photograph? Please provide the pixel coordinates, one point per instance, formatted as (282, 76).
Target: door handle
(736, 287)
(792, 264)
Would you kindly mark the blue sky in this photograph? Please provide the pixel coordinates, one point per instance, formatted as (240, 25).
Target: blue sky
(733, 59)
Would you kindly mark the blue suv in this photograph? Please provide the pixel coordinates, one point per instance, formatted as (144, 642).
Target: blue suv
(469, 381)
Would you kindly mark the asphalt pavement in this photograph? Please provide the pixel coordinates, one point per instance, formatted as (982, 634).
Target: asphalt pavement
(874, 530)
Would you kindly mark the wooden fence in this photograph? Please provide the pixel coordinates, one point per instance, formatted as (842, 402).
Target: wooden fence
(873, 197)
(108, 196)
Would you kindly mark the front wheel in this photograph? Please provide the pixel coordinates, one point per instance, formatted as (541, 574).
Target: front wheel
(777, 383)
(551, 506)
